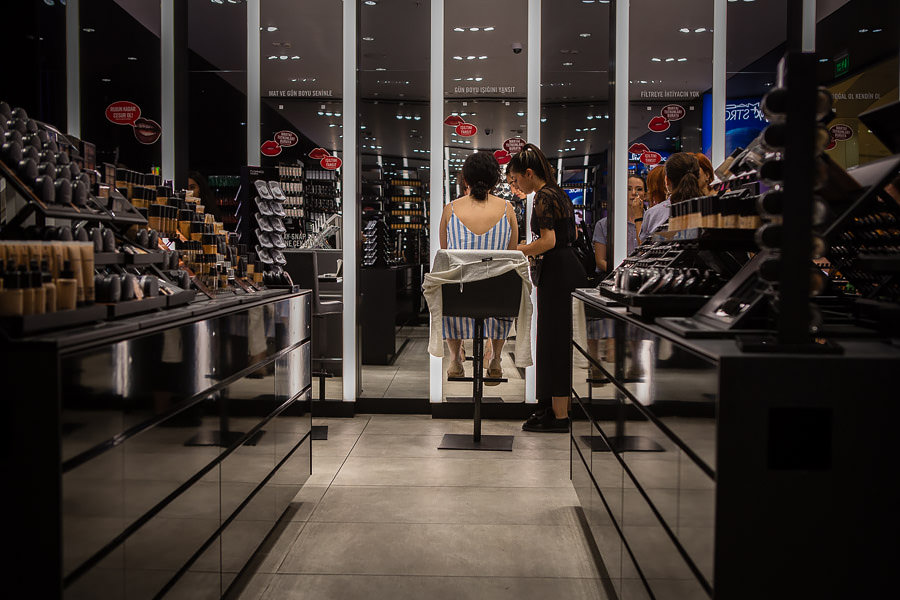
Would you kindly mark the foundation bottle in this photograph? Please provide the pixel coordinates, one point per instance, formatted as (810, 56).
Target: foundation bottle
(153, 220)
(210, 244)
(27, 291)
(11, 298)
(66, 287)
(74, 258)
(49, 288)
(87, 272)
(37, 284)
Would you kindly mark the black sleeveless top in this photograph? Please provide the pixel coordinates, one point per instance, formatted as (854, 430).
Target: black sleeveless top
(553, 210)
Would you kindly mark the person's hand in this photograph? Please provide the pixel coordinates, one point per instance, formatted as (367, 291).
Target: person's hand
(636, 208)
(521, 247)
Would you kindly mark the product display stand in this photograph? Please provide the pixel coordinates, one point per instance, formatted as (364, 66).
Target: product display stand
(495, 297)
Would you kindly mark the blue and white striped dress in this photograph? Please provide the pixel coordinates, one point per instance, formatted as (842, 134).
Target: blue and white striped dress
(459, 237)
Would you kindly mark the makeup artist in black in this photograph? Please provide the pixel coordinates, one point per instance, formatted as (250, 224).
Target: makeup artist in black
(553, 220)
(198, 185)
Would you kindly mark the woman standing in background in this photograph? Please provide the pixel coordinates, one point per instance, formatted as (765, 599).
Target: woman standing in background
(682, 182)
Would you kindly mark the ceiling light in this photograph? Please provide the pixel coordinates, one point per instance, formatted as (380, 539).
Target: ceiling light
(682, 59)
(584, 35)
(670, 59)
(482, 57)
(684, 30)
(270, 29)
(458, 29)
(132, 58)
(876, 31)
(283, 57)
(520, 114)
(863, 30)
(543, 119)
(88, 30)
(700, 30)
(106, 80)
(654, 59)
(567, 64)
(822, 60)
(295, 58)
(457, 58)
(590, 117)
(473, 28)
(400, 117)
(488, 29)
(381, 69)
(479, 78)
(368, 38)
(371, 3)
(272, 57)
(471, 57)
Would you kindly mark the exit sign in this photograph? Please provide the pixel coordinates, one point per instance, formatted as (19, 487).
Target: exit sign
(841, 65)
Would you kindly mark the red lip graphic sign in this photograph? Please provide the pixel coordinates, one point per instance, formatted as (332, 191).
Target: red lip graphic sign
(270, 148)
(502, 156)
(286, 139)
(466, 129)
(319, 153)
(147, 131)
(651, 158)
(331, 163)
(841, 132)
(638, 148)
(123, 112)
(658, 124)
(514, 145)
(831, 142)
(673, 112)
(454, 120)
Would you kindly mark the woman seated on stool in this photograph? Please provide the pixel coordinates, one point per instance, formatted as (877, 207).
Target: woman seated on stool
(478, 221)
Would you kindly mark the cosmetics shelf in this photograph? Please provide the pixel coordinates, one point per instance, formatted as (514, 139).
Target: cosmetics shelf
(651, 306)
(133, 307)
(711, 238)
(19, 326)
(109, 258)
(150, 258)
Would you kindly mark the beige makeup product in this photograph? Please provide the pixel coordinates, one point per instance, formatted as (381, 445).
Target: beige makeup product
(66, 288)
(87, 269)
(49, 288)
(74, 259)
(11, 298)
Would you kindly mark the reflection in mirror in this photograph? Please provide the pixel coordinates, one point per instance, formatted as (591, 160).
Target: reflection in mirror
(485, 77)
(301, 128)
(575, 123)
(394, 190)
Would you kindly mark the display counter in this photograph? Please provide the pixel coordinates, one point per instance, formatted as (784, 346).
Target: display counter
(153, 455)
(733, 475)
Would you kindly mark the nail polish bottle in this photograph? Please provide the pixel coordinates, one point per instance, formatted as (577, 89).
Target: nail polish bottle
(66, 287)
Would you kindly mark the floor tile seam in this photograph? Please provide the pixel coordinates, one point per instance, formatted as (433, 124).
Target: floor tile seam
(297, 537)
(526, 577)
(343, 462)
(483, 487)
(405, 485)
(571, 526)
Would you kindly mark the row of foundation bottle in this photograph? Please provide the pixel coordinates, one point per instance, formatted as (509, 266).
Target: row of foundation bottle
(45, 277)
(719, 212)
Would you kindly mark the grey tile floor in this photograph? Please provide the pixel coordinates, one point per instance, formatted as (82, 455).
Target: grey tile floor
(387, 515)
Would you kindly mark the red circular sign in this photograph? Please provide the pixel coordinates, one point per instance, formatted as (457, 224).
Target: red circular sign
(466, 129)
(658, 124)
(270, 148)
(331, 163)
(638, 148)
(502, 156)
(831, 142)
(514, 145)
(318, 153)
(454, 120)
(651, 158)
(123, 112)
(673, 112)
(286, 139)
(147, 131)
(841, 132)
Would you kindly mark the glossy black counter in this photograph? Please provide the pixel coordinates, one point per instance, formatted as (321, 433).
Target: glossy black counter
(732, 475)
(155, 454)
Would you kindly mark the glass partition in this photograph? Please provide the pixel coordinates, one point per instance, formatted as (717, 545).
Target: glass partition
(395, 164)
(120, 63)
(485, 88)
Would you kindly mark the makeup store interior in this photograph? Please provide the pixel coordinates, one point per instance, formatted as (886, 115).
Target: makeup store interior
(505, 299)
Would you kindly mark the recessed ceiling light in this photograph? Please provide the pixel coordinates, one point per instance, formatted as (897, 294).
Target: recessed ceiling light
(682, 59)
(458, 29)
(132, 58)
(567, 64)
(381, 69)
(479, 78)
(700, 30)
(473, 28)
(584, 35)
(684, 30)
(88, 30)
(876, 31)
(654, 59)
(670, 59)
(482, 57)
(368, 38)
(488, 29)
(270, 29)
(295, 58)
(457, 58)
(283, 57)
(371, 2)
(863, 30)
(823, 60)
(471, 57)
(106, 80)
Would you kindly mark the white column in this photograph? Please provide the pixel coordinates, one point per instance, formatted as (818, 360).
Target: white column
(167, 87)
(809, 26)
(349, 204)
(438, 168)
(720, 26)
(73, 71)
(534, 136)
(254, 115)
(620, 134)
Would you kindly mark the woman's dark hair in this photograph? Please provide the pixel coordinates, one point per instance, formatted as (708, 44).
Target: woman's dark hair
(683, 171)
(481, 172)
(532, 158)
(202, 184)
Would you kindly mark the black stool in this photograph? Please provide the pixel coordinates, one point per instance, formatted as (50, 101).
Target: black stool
(494, 297)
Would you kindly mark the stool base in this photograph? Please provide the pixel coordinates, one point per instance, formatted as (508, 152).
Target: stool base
(460, 441)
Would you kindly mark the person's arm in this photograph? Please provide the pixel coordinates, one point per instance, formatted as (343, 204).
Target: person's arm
(600, 256)
(513, 226)
(638, 225)
(547, 241)
(445, 217)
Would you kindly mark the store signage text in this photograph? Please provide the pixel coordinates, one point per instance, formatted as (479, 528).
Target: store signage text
(840, 132)
(514, 145)
(651, 158)
(842, 64)
(286, 139)
(301, 93)
(669, 94)
(484, 89)
(744, 111)
(326, 160)
(123, 112)
(466, 129)
(673, 112)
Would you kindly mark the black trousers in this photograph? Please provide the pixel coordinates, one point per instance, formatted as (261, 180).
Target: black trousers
(561, 274)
